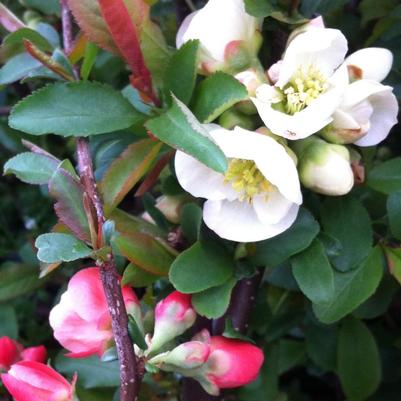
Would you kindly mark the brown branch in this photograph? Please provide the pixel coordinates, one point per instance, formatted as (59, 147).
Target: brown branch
(130, 381)
(111, 284)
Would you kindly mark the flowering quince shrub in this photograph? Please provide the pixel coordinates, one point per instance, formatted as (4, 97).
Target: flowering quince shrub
(214, 208)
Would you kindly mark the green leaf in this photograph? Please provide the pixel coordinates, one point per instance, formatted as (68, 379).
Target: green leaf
(55, 247)
(314, 274)
(291, 353)
(125, 171)
(215, 95)
(9, 324)
(137, 277)
(260, 8)
(69, 192)
(352, 289)
(359, 365)
(17, 280)
(45, 6)
(213, 303)
(191, 221)
(318, 338)
(13, 43)
(204, 265)
(394, 213)
(298, 237)
(136, 333)
(17, 68)
(91, 52)
(348, 221)
(32, 168)
(386, 177)
(92, 372)
(181, 72)
(74, 109)
(181, 130)
(145, 252)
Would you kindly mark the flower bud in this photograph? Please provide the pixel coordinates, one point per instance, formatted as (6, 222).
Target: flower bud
(171, 207)
(9, 352)
(231, 363)
(229, 36)
(232, 118)
(36, 354)
(188, 355)
(173, 316)
(81, 321)
(29, 380)
(324, 168)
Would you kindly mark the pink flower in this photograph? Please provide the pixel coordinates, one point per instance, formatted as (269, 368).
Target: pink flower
(173, 316)
(9, 352)
(34, 381)
(36, 354)
(81, 321)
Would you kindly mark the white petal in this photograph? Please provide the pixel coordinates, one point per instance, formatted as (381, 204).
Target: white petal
(384, 117)
(179, 40)
(311, 119)
(238, 221)
(273, 208)
(219, 23)
(375, 62)
(361, 90)
(201, 181)
(344, 120)
(323, 48)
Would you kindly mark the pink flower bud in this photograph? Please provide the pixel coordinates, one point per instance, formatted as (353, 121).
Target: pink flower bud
(9, 352)
(36, 354)
(173, 316)
(81, 321)
(233, 363)
(36, 381)
(188, 355)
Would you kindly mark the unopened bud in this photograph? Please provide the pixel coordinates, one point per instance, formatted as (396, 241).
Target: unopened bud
(173, 316)
(324, 168)
(189, 355)
(232, 118)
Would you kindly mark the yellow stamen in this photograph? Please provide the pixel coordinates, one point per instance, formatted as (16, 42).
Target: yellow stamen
(306, 85)
(245, 177)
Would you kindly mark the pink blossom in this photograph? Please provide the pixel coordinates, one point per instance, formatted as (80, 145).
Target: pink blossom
(9, 352)
(28, 381)
(81, 321)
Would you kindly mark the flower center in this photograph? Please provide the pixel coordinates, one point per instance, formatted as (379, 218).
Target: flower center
(246, 179)
(306, 85)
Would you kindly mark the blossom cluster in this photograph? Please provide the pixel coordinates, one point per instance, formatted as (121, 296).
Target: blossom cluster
(317, 105)
(81, 323)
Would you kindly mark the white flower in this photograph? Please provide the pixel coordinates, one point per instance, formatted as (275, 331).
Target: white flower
(325, 168)
(311, 80)
(259, 195)
(372, 63)
(221, 26)
(367, 113)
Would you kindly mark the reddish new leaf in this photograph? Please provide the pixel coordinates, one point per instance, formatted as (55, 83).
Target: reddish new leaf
(89, 18)
(125, 30)
(127, 170)
(68, 192)
(8, 20)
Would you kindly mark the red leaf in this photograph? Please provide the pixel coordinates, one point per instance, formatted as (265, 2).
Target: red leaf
(125, 30)
(8, 20)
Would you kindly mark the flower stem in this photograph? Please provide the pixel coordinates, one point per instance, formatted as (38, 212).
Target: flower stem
(130, 380)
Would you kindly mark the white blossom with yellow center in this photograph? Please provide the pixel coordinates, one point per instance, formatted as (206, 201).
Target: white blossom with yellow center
(259, 195)
(309, 83)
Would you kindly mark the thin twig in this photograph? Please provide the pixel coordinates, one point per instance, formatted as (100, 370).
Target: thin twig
(130, 380)
(111, 284)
